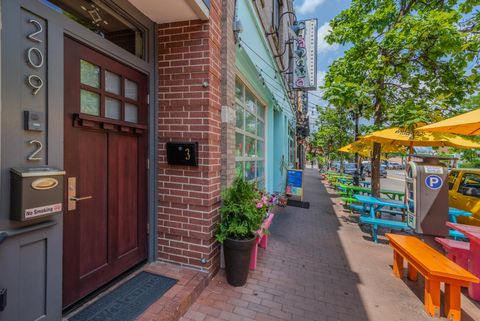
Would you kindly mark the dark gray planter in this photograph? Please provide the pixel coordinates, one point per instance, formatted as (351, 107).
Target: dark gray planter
(237, 260)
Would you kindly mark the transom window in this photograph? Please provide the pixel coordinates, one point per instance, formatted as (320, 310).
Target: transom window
(106, 94)
(249, 135)
(104, 21)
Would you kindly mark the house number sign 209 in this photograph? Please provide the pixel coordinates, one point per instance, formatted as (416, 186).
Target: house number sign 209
(34, 57)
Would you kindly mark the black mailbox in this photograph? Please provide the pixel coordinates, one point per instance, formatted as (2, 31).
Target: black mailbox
(182, 154)
(36, 192)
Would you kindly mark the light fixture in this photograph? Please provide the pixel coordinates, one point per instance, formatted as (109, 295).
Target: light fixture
(237, 29)
(280, 18)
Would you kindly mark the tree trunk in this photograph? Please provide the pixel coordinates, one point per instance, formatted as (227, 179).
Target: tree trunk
(357, 116)
(376, 169)
(376, 153)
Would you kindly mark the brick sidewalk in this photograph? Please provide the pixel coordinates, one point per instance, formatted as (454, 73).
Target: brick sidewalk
(318, 266)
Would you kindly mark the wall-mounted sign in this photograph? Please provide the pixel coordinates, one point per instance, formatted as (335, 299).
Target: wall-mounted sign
(305, 56)
(182, 154)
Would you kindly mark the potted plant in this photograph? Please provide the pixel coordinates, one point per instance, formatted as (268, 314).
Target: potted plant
(242, 214)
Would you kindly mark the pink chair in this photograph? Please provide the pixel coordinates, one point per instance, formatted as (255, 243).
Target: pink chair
(262, 240)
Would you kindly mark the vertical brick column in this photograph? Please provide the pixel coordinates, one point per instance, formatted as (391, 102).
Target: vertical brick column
(228, 93)
(189, 197)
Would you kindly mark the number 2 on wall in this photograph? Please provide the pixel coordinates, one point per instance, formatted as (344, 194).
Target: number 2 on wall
(39, 147)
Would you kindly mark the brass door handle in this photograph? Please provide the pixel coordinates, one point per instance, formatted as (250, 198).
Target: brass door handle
(76, 199)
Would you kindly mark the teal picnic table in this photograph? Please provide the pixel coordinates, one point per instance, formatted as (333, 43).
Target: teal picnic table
(453, 213)
(351, 189)
(373, 206)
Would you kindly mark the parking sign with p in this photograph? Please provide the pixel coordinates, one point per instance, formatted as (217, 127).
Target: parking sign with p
(433, 181)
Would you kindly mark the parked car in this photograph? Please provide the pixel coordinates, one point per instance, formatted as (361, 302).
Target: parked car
(464, 193)
(367, 169)
(395, 165)
(351, 168)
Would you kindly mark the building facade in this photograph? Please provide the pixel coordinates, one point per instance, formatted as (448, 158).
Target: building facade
(96, 92)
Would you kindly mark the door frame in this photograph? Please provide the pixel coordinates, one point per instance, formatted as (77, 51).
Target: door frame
(60, 26)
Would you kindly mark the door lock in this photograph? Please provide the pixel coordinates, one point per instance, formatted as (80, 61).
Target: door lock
(72, 194)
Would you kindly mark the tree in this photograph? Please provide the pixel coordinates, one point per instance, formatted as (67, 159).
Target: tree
(334, 131)
(409, 59)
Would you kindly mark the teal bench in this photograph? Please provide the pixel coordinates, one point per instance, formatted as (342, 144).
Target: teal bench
(359, 208)
(375, 222)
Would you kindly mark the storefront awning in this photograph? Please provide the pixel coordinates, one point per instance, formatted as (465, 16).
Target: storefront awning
(165, 11)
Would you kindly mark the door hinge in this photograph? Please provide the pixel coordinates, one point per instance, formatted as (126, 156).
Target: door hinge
(148, 228)
(148, 163)
(148, 99)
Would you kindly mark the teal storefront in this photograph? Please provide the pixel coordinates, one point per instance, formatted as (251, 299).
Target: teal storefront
(265, 118)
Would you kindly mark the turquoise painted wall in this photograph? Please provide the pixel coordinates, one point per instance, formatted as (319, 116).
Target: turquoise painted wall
(255, 64)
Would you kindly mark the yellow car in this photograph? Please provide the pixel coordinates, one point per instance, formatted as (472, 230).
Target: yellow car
(464, 193)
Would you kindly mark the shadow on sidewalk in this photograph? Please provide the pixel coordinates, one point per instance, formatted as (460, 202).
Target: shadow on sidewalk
(309, 252)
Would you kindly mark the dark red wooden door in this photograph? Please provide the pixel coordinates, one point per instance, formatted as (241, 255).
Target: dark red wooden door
(105, 229)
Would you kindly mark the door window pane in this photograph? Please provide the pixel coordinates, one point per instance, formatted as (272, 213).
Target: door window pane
(131, 89)
(249, 146)
(131, 113)
(89, 74)
(250, 123)
(239, 117)
(89, 103)
(112, 108)
(112, 83)
(238, 144)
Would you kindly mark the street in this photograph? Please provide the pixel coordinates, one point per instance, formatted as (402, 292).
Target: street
(395, 180)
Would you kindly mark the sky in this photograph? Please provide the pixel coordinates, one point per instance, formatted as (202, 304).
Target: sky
(324, 11)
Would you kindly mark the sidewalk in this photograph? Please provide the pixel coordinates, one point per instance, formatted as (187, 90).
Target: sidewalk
(318, 266)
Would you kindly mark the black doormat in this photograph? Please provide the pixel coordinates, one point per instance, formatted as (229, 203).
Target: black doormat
(128, 301)
(296, 203)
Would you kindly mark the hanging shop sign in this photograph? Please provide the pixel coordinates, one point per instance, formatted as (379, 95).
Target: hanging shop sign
(305, 55)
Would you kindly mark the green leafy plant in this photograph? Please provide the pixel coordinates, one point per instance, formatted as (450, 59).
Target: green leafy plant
(242, 212)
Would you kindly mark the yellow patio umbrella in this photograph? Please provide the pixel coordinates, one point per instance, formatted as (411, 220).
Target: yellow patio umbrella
(466, 124)
(400, 136)
(365, 147)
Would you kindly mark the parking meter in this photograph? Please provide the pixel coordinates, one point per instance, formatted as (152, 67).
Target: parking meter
(427, 196)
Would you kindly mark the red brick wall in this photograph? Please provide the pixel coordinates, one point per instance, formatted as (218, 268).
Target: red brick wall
(189, 197)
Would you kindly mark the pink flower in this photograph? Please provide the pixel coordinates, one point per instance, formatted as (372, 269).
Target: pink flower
(259, 205)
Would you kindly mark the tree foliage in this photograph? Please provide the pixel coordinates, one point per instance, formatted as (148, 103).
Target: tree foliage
(335, 130)
(408, 61)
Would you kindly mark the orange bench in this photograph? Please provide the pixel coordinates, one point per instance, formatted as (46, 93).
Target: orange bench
(436, 268)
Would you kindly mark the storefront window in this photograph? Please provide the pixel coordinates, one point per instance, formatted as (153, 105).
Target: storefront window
(250, 135)
(104, 21)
